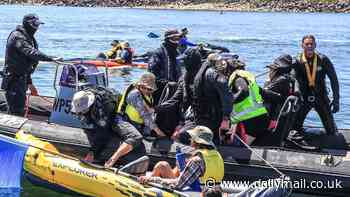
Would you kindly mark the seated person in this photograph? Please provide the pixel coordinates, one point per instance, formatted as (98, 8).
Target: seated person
(205, 163)
(96, 107)
(136, 105)
(113, 52)
(125, 55)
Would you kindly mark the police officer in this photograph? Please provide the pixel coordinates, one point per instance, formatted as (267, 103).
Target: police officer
(310, 70)
(21, 58)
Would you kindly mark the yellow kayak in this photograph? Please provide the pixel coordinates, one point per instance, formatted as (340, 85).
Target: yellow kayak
(77, 177)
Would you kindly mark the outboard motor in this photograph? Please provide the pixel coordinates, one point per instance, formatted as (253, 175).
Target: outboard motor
(74, 77)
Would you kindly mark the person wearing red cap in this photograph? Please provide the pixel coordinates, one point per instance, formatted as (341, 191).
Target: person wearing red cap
(21, 58)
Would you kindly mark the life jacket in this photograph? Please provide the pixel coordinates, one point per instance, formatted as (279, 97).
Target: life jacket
(310, 74)
(252, 106)
(130, 111)
(214, 165)
(109, 98)
(111, 54)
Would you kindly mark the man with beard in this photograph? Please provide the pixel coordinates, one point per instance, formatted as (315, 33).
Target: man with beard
(163, 62)
(310, 70)
(21, 58)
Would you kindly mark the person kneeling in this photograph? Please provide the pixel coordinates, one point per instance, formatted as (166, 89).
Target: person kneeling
(96, 107)
(205, 164)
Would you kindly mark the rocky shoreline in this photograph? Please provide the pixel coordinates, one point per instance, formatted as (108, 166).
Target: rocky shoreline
(338, 6)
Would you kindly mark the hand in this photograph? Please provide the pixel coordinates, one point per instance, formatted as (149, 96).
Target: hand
(144, 179)
(335, 106)
(57, 59)
(159, 132)
(33, 90)
(225, 124)
(176, 132)
(272, 125)
(110, 162)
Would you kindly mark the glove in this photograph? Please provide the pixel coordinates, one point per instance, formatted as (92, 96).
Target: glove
(335, 106)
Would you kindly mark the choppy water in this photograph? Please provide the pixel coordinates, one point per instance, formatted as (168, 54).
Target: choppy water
(257, 37)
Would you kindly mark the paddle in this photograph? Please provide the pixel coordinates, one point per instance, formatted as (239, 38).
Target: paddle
(114, 170)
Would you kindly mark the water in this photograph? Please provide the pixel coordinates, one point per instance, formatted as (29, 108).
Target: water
(257, 37)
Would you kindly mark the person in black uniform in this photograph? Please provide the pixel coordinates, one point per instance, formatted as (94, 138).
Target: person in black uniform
(310, 70)
(163, 64)
(182, 99)
(21, 58)
(211, 98)
(279, 81)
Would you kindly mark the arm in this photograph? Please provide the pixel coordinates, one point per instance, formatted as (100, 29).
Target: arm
(136, 100)
(30, 51)
(185, 41)
(242, 90)
(332, 75)
(271, 96)
(193, 170)
(154, 65)
(174, 101)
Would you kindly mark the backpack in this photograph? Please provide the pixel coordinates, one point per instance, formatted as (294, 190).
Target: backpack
(109, 98)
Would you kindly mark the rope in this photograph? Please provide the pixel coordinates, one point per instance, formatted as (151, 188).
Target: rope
(251, 149)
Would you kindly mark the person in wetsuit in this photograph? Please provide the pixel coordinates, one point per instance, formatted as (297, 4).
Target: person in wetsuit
(211, 100)
(163, 64)
(182, 98)
(281, 82)
(310, 70)
(21, 59)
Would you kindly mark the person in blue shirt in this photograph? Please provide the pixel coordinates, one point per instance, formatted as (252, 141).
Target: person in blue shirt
(184, 42)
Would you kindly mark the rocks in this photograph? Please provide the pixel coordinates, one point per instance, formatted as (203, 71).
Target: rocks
(235, 5)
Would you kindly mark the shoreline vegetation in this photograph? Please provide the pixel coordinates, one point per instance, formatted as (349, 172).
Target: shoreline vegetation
(335, 6)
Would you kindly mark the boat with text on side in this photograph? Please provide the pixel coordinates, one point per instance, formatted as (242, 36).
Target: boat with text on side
(49, 118)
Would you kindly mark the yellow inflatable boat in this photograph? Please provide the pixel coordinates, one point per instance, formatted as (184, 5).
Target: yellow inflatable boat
(51, 168)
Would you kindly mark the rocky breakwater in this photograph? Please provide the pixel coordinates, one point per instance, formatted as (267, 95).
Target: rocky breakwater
(228, 5)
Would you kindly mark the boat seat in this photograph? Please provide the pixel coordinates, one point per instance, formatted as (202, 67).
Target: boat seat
(137, 167)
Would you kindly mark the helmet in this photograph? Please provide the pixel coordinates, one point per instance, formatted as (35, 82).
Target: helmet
(282, 64)
(82, 101)
(172, 36)
(226, 60)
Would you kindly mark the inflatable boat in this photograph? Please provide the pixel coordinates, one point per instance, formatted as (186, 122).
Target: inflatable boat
(50, 119)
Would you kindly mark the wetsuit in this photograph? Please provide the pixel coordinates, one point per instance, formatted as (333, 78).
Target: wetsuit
(317, 96)
(212, 99)
(163, 65)
(172, 109)
(21, 58)
(283, 85)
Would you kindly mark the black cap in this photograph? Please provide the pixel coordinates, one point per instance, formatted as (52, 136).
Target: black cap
(282, 63)
(32, 19)
(172, 33)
